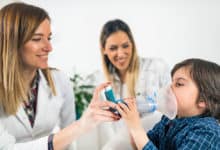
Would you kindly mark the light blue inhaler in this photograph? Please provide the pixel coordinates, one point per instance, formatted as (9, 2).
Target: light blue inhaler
(111, 97)
(109, 94)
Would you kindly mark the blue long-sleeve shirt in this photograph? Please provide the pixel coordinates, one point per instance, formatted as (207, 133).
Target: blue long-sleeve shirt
(193, 133)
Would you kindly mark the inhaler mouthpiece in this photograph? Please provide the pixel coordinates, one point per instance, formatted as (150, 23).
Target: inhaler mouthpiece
(163, 101)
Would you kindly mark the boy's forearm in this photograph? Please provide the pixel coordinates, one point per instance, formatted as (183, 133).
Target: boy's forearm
(140, 137)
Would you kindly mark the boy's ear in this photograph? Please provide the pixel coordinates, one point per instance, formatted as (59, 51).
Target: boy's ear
(202, 104)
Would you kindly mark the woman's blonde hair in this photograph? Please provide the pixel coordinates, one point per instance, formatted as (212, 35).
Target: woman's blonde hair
(108, 29)
(18, 22)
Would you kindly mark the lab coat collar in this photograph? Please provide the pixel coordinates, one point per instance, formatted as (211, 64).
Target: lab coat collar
(44, 93)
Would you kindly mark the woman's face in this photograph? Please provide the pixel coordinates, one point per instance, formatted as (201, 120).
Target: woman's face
(186, 93)
(118, 49)
(35, 52)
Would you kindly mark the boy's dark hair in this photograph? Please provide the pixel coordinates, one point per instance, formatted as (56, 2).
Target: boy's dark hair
(206, 76)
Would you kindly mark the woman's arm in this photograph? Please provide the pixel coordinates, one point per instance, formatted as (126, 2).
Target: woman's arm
(94, 115)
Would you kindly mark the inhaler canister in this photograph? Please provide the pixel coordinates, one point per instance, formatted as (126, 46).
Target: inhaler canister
(109, 94)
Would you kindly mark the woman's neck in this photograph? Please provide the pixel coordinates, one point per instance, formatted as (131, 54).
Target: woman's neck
(122, 76)
(29, 76)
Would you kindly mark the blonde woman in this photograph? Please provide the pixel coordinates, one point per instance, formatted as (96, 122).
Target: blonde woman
(130, 75)
(33, 97)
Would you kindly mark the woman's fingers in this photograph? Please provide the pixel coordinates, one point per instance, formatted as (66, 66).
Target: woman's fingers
(100, 113)
(108, 114)
(102, 105)
(106, 104)
(101, 118)
(98, 90)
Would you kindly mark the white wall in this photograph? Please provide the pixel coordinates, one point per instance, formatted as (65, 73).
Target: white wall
(171, 29)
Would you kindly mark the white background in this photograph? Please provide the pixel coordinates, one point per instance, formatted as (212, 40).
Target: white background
(171, 29)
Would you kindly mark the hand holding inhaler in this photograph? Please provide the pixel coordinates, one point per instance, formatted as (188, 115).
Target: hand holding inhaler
(111, 97)
(163, 101)
(94, 114)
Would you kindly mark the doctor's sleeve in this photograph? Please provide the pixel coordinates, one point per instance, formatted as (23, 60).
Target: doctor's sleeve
(8, 142)
(67, 113)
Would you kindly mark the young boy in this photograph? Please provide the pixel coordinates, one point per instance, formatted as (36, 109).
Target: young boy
(196, 85)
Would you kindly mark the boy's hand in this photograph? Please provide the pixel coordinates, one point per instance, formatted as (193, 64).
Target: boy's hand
(131, 117)
(129, 113)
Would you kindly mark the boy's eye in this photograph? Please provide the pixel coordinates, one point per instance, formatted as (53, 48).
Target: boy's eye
(179, 84)
(49, 38)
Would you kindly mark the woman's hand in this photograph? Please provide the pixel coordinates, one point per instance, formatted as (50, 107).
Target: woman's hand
(96, 112)
(94, 115)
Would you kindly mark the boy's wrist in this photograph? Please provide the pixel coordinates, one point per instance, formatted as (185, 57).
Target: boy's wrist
(140, 137)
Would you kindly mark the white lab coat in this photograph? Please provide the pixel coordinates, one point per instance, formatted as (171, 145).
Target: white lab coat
(16, 132)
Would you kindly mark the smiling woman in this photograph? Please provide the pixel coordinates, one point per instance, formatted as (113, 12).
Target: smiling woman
(34, 98)
(36, 50)
(131, 76)
(118, 50)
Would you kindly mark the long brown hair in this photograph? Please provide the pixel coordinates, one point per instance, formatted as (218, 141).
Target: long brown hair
(108, 29)
(206, 76)
(18, 22)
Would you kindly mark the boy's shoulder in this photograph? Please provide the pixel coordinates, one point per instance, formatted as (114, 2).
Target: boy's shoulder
(195, 124)
(206, 124)
(205, 121)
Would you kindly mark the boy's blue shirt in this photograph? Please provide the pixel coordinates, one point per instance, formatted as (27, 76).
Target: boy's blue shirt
(192, 133)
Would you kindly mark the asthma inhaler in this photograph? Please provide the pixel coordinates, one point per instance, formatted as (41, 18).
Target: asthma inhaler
(111, 97)
(109, 94)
